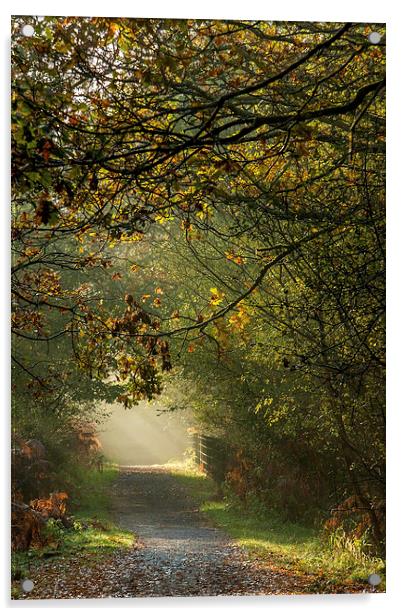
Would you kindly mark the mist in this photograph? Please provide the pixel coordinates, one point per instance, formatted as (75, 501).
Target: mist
(143, 435)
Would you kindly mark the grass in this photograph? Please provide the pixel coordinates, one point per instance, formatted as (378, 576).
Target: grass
(91, 495)
(290, 545)
(93, 532)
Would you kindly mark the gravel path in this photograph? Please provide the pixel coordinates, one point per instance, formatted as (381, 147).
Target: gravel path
(177, 552)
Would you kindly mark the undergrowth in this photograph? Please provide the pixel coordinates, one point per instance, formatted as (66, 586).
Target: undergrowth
(92, 530)
(264, 534)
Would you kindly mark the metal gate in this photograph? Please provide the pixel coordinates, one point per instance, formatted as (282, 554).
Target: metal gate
(211, 456)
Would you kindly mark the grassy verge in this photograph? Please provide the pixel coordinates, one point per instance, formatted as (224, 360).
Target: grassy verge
(290, 545)
(93, 532)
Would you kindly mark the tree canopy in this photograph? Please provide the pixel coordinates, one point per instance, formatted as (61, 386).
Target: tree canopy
(206, 196)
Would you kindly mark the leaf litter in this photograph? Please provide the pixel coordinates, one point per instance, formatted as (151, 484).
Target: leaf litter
(177, 553)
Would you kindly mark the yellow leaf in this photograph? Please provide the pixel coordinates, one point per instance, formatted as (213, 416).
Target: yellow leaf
(216, 297)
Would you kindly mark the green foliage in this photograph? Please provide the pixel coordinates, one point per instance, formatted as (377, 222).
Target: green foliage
(93, 529)
(215, 206)
(91, 496)
(265, 534)
(53, 533)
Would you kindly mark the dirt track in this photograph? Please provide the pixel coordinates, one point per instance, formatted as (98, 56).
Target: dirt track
(178, 553)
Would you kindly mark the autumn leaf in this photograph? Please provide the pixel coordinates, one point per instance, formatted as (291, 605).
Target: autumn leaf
(235, 258)
(216, 297)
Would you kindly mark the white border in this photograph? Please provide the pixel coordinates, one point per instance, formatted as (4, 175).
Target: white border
(294, 10)
(291, 10)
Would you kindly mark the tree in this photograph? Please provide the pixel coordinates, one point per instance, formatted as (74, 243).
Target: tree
(259, 148)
